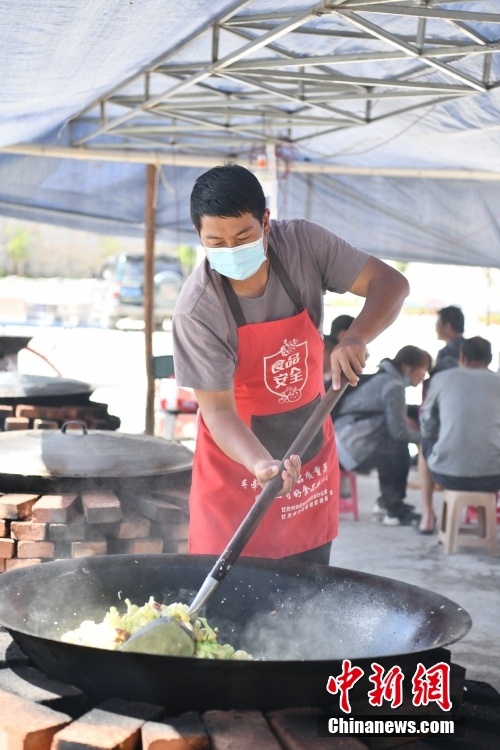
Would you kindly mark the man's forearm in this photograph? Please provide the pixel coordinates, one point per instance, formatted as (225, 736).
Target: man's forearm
(235, 439)
(382, 306)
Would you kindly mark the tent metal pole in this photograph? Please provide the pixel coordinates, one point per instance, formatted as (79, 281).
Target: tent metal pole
(149, 294)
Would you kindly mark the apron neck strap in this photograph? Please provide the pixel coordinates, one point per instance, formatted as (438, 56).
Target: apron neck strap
(286, 282)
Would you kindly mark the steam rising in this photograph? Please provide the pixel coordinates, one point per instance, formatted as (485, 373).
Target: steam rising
(273, 616)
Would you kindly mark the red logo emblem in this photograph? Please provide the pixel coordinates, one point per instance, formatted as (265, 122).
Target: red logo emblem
(285, 372)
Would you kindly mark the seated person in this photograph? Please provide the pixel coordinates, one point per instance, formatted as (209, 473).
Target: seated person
(372, 430)
(460, 425)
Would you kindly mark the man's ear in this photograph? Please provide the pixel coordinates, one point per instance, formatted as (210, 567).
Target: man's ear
(265, 220)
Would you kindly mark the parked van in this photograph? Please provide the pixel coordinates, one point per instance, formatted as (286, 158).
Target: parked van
(119, 290)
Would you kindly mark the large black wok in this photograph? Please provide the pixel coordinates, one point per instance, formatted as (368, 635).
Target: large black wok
(304, 619)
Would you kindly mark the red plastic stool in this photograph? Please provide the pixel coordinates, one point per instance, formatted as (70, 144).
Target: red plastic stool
(349, 504)
(471, 512)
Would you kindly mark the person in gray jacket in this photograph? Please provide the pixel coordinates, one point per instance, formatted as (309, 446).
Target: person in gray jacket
(460, 424)
(372, 429)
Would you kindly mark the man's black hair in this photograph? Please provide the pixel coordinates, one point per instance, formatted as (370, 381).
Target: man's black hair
(454, 316)
(228, 190)
(477, 349)
(412, 356)
(341, 323)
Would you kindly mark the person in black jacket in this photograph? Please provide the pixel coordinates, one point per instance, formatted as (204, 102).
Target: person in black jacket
(450, 326)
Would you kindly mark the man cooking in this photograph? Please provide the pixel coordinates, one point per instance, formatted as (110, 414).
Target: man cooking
(247, 338)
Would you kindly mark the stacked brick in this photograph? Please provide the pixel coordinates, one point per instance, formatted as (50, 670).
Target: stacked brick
(42, 713)
(30, 417)
(36, 528)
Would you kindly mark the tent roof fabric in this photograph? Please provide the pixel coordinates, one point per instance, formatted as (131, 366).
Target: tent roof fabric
(383, 116)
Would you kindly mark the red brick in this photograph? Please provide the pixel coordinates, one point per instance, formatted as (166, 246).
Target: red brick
(17, 563)
(16, 423)
(185, 732)
(28, 726)
(16, 505)
(179, 497)
(135, 709)
(100, 730)
(74, 531)
(176, 531)
(4, 528)
(30, 684)
(7, 548)
(89, 548)
(35, 549)
(130, 527)
(161, 510)
(28, 531)
(245, 730)
(297, 729)
(45, 424)
(58, 413)
(136, 546)
(101, 507)
(97, 424)
(25, 410)
(62, 550)
(170, 546)
(70, 412)
(54, 508)
(3, 564)
(89, 411)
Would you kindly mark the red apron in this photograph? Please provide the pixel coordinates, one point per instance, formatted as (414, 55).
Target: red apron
(277, 383)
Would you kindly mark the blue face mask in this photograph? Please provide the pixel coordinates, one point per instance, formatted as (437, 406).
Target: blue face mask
(406, 381)
(239, 262)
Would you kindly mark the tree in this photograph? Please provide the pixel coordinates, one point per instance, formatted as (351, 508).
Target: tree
(17, 247)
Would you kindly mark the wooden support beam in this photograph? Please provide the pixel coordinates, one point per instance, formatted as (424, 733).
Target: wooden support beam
(149, 294)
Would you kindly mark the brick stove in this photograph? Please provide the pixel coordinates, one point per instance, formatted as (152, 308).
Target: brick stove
(35, 528)
(46, 416)
(40, 713)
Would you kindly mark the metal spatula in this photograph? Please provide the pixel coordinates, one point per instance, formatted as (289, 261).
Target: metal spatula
(170, 637)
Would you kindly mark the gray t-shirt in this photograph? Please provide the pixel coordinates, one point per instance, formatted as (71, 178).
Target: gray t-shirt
(461, 413)
(205, 336)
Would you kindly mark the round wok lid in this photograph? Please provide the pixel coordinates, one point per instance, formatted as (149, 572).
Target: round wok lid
(89, 454)
(15, 385)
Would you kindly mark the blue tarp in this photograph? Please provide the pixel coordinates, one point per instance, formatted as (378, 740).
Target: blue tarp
(58, 57)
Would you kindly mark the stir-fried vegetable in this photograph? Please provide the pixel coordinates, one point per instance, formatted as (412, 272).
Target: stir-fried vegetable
(117, 627)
